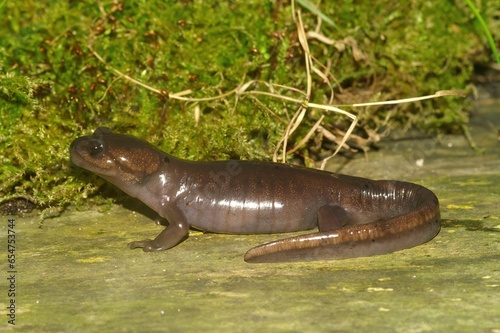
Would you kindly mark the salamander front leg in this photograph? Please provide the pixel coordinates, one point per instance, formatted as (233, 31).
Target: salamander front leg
(169, 237)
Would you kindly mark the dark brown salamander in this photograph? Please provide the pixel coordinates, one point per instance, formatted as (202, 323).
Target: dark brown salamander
(356, 217)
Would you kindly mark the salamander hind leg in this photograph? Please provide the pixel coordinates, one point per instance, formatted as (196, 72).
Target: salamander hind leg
(332, 218)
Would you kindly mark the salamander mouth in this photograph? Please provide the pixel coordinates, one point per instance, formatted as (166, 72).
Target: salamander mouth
(75, 155)
(80, 156)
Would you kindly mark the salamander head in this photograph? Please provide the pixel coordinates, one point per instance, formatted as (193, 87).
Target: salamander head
(123, 160)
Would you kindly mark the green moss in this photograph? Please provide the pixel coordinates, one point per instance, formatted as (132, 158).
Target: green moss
(53, 89)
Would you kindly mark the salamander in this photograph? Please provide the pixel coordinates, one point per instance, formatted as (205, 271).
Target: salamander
(355, 217)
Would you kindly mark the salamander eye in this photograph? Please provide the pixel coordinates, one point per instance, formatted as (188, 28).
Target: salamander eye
(95, 148)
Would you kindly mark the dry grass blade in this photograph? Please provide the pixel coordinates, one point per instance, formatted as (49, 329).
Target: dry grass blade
(251, 90)
(413, 99)
(307, 137)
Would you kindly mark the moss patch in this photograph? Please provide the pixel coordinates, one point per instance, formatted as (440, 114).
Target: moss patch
(53, 88)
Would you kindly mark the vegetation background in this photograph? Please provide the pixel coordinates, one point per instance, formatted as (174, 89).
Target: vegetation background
(54, 87)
